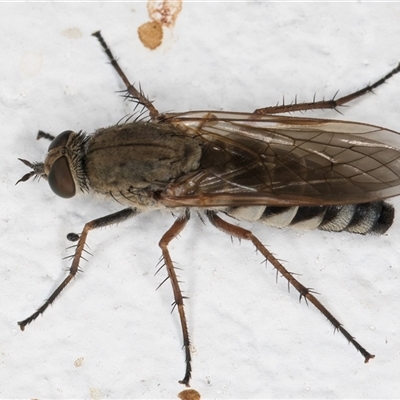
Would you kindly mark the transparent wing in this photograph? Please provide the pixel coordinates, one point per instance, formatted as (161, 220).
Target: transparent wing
(279, 160)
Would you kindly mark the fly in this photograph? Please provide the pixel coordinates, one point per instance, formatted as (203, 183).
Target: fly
(261, 166)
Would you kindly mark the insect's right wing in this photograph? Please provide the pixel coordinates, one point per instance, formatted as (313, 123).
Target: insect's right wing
(278, 160)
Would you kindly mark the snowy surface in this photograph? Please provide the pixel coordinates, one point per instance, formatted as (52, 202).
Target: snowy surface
(111, 334)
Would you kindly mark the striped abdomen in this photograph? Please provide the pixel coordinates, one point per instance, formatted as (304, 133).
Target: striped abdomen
(375, 217)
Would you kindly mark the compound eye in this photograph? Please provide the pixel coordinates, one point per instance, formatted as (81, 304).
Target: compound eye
(60, 140)
(60, 178)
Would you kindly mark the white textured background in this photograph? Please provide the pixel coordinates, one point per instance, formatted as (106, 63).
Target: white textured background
(252, 338)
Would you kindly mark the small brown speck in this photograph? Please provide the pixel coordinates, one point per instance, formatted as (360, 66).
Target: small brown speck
(79, 362)
(189, 394)
(95, 394)
(151, 34)
(164, 11)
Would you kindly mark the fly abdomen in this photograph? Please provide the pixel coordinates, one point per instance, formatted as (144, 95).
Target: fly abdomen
(375, 217)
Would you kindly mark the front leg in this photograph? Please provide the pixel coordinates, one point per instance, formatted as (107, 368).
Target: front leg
(96, 223)
(133, 93)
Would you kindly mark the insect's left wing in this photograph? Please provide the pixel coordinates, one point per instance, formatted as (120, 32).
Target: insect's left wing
(278, 160)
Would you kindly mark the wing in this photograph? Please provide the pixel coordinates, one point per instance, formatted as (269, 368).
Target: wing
(278, 160)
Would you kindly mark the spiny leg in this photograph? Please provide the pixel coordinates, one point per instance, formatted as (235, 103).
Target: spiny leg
(172, 232)
(96, 223)
(241, 233)
(136, 94)
(327, 104)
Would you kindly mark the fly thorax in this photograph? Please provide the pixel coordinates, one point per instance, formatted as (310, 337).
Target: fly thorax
(139, 157)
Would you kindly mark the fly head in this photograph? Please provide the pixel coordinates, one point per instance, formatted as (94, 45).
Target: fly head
(63, 166)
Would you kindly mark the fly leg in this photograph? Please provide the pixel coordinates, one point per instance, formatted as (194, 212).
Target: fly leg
(241, 233)
(327, 104)
(172, 232)
(133, 92)
(96, 223)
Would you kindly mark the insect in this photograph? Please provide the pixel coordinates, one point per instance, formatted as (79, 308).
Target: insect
(260, 166)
